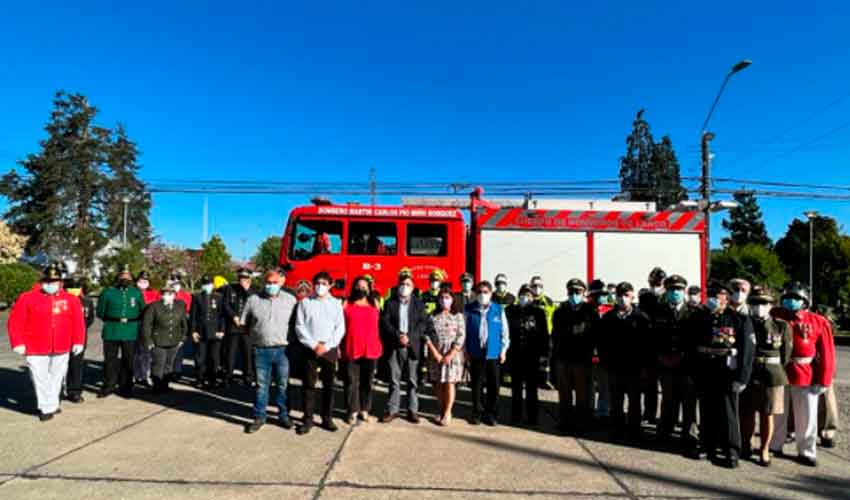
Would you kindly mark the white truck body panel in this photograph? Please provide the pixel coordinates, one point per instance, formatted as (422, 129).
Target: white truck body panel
(556, 256)
(630, 256)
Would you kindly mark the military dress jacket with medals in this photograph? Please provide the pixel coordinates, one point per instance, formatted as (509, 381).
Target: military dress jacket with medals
(207, 315)
(725, 347)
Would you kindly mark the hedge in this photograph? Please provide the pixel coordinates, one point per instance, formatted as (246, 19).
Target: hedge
(14, 280)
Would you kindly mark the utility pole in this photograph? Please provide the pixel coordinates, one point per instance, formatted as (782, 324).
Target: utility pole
(244, 257)
(706, 198)
(812, 215)
(373, 186)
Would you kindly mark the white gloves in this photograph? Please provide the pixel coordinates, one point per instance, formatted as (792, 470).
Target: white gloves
(738, 387)
(21, 349)
(76, 349)
(819, 389)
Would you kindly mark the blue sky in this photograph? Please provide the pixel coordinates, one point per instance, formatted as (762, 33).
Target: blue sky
(430, 91)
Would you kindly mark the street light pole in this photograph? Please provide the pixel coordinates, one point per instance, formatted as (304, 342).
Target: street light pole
(812, 215)
(125, 200)
(706, 137)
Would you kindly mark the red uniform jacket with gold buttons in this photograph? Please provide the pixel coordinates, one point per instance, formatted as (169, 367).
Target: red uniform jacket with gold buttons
(46, 324)
(812, 335)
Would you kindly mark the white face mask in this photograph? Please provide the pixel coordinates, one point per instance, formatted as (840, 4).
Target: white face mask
(322, 290)
(176, 287)
(624, 301)
(501, 287)
(761, 310)
(537, 288)
(168, 299)
(525, 300)
(207, 289)
(484, 298)
(405, 290)
(739, 297)
(143, 284)
(657, 290)
(694, 299)
(435, 285)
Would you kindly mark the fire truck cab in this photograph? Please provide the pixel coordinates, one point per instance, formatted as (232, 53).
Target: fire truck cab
(353, 240)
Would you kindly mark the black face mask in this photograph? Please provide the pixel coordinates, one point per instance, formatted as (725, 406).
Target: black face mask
(358, 294)
(123, 282)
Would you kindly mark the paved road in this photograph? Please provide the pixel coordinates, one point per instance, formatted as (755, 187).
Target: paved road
(190, 445)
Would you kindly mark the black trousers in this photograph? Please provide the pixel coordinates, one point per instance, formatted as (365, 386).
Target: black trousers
(625, 385)
(484, 373)
(525, 374)
(650, 394)
(718, 411)
(207, 359)
(74, 378)
(118, 372)
(359, 375)
(317, 368)
(239, 344)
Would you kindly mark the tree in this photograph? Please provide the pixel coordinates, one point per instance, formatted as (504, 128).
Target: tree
(755, 263)
(15, 279)
(124, 183)
(130, 256)
(268, 254)
(745, 223)
(64, 200)
(831, 258)
(11, 245)
(214, 258)
(162, 260)
(649, 171)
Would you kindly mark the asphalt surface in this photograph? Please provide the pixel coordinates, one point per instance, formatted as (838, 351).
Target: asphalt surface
(190, 444)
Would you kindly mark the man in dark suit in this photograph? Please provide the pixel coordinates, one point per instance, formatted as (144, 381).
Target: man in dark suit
(403, 327)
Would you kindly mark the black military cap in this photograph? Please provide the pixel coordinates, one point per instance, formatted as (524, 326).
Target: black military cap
(243, 272)
(694, 289)
(466, 277)
(657, 275)
(575, 284)
(760, 295)
(73, 283)
(206, 280)
(797, 290)
(143, 275)
(125, 269)
(675, 281)
(624, 288)
(51, 273)
(716, 287)
(597, 287)
(525, 289)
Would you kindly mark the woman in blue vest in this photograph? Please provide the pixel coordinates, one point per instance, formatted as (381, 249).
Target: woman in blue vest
(487, 341)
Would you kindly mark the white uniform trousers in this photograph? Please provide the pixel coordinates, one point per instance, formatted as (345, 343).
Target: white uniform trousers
(47, 373)
(805, 403)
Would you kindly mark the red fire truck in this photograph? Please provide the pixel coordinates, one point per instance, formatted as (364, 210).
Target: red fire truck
(613, 245)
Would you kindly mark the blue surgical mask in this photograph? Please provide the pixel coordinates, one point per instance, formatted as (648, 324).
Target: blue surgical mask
(525, 300)
(50, 288)
(207, 289)
(712, 304)
(576, 298)
(676, 296)
(792, 305)
(272, 288)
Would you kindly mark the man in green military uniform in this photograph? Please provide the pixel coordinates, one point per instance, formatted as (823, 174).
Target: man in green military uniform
(548, 305)
(502, 296)
(120, 308)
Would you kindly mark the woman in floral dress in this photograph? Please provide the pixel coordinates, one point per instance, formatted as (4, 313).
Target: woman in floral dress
(445, 349)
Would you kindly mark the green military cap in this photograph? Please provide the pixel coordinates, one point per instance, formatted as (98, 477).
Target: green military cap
(675, 281)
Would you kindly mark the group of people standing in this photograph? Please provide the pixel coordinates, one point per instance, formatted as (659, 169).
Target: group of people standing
(606, 349)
